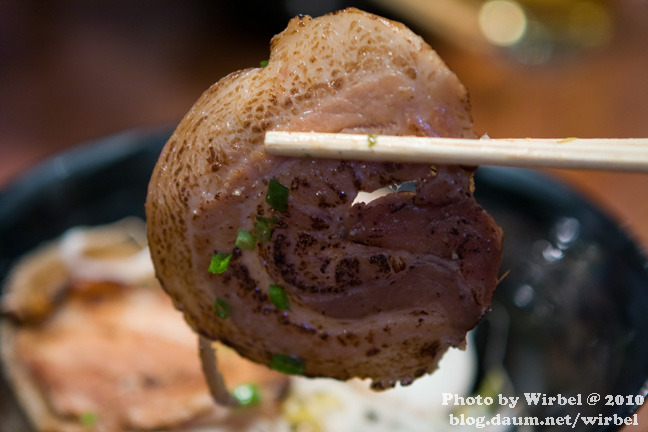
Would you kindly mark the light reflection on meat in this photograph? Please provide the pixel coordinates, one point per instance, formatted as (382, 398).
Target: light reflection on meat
(376, 290)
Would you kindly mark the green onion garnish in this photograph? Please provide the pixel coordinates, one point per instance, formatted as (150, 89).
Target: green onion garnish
(263, 228)
(278, 297)
(245, 240)
(88, 418)
(372, 140)
(222, 308)
(247, 395)
(262, 231)
(219, 262)
(263, 63)
(277, 195)
(287, 364)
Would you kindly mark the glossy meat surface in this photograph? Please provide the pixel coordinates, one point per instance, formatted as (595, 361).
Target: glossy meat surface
(377, 290)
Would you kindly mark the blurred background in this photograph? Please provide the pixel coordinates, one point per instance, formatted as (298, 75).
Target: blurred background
(73, 71)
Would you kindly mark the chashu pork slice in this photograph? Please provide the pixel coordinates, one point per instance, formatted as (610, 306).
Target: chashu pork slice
(374, 290)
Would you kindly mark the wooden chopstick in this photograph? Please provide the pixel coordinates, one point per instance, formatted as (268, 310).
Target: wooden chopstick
(624, 154)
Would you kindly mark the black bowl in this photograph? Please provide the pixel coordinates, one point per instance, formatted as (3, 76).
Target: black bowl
(569, 319)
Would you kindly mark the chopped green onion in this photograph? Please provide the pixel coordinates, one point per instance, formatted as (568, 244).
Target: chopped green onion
(287, 364)
(247, 395)
(222, 308)
(88, 418)
(263, 228)
(278, 297)
(219, 262)
(263, 63)
(245, 240)
(372, 140)
(262, 231)
(277, 195)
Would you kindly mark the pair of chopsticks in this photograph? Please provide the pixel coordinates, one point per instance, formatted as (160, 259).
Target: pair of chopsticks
(624, 154)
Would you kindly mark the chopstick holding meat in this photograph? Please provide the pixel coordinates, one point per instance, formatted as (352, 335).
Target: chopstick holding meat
(623, 154)
(274, 257)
